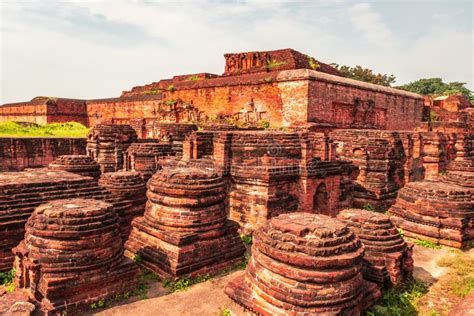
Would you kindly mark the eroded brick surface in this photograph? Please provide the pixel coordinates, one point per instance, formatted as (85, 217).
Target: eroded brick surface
(304, 264)
(106, 144)
(72, 255)
(185, 230)
(387, 257)
(80, 164)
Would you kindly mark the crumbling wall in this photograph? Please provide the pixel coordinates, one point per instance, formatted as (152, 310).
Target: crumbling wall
(17, 154)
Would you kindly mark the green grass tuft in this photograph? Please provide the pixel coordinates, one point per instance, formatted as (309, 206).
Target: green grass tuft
(426, 244)
(184, 283)
(69, 129)
(400, 301)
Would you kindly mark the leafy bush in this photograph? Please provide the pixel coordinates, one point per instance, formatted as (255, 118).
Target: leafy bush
(247, 239)
(170, 88)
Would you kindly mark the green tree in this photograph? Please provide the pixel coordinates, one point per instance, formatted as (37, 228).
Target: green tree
(365, 74)
(436, 87)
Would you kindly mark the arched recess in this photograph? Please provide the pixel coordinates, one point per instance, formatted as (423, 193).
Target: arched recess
(320, 199)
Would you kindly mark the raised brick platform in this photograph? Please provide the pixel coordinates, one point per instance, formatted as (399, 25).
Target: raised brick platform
(72, 256)
(304, 264)
(387, 257)
(185, 230)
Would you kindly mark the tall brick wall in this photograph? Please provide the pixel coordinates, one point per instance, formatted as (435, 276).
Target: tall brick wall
(24, 112)
(17, 154)
(122, 110)
(349, 103)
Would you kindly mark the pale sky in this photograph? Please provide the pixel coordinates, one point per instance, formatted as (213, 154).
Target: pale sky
(95, 49)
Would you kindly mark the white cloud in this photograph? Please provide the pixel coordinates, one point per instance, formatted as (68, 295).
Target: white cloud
(370, 23)
(92, 49)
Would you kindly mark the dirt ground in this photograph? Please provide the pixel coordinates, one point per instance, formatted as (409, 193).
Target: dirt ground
(208, 298)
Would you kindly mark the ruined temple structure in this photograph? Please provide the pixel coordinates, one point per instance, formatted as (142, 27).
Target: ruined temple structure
(80, 164)
(22, 192)
(284, 87)
(106, 144)
(145, 157)
(387, 257)
(304, 264)
(130, 189)
(185, 230)
(72, 256)
(386, 161)
(441, 209)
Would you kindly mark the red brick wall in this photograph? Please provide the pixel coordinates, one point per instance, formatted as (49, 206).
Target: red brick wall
(24, 112)
(124, 109)
(330, 101)
(17, 154)
(67, 110)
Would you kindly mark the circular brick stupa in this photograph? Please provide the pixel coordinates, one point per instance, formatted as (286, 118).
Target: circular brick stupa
(387, 258)
(185, 230)
(79, 164)
(304, 264)
(72, 255)
(129, 189)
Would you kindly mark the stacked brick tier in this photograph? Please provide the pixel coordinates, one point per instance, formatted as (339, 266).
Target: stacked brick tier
(126, 186)
(387, 160)
(21, 192)
(72, 256)
(185, 230)
(79, 164)
(106, 143)
(441, 209)
(145, 157)
(304, 264)
(440, 212)
(387, 258)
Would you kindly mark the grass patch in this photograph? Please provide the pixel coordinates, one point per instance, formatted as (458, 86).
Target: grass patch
(152, 91)
(141, 290)
(225, 312)
(461, 269)
(183, 284)
(275, 63)
(400, 301)
(426, 244)
(70, 129)
(194, 78)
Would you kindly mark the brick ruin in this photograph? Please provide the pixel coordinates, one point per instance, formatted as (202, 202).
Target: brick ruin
(387, 257)
(187, 165)
(440, 209)
(72, 255)
(106, 143)
(283, 87)
(185, 230)
(304, 264)
(80, 164)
